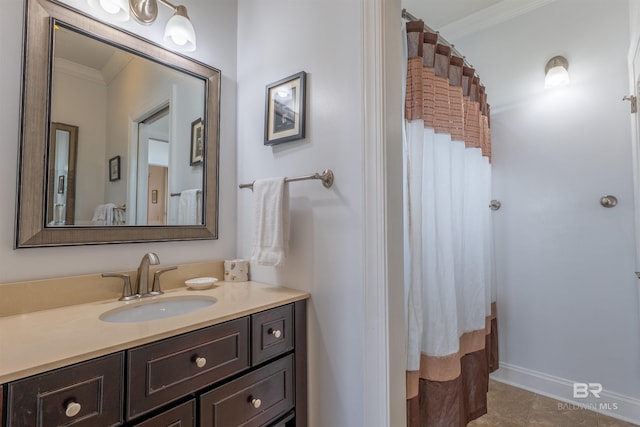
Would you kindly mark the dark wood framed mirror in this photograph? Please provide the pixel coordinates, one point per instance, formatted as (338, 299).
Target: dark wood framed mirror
(148, 132)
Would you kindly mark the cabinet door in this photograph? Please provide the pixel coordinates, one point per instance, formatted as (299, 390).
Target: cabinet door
(167, 370)
(255, 399)
(180, 416)
(88, 394)
(272, 333)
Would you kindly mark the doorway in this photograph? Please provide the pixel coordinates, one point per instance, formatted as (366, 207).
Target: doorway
(153, 168)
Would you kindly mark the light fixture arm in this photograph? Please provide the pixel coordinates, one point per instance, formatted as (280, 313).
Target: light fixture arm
(168, 4)
(146, 11)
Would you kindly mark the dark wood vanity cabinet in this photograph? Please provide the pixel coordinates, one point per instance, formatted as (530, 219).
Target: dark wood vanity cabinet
(169, 369)
(86, 394)
(183, 415)
(253, 400)
(248, 372)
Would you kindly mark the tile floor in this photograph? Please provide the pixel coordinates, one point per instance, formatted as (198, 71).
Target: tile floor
(513, 407)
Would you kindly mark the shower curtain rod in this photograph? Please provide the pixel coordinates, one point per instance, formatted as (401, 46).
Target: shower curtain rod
(409, 17)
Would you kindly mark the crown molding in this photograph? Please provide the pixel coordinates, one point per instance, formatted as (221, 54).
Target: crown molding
(492, 15)
(77, 70)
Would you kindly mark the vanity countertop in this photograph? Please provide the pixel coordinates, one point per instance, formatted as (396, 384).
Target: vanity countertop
(36, 342)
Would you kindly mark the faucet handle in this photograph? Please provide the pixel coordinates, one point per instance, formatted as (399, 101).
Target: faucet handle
(127, 292)
(155, 290)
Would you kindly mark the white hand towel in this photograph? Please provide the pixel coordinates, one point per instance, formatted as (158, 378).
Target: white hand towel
(272, 221)
(103, 214)
(100, 213)
(188, 208)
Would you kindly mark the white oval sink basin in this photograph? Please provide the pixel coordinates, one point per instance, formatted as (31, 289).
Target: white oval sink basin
(142, 311)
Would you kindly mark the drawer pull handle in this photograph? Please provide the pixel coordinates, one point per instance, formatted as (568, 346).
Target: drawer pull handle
(256, 403)
(72, 409)
(275, 332)
(201, 362)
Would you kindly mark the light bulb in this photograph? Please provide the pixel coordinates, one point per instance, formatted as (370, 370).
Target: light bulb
(117, 10)
(179, 39)
(556, 72)
(556, 77)
(109, 6)
(179, 31)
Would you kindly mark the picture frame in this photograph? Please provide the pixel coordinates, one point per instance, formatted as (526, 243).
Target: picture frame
(61, 184)
(114, 168)
(154, 197)
(197, 146)
(285, 102)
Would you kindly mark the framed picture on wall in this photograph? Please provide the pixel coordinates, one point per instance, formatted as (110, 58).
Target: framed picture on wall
(285, 109)
(61, 184)
(114, 168)
(197, 144)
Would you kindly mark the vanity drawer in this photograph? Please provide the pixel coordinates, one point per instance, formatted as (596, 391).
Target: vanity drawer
(167, 370)
(234, 404)
(272, 333)
(87, 394)
(180, 416)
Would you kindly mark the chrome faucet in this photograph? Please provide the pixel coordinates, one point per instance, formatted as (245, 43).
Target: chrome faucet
(142, 282)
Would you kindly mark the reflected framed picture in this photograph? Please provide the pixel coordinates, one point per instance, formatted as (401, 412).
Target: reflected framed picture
(197, 142)
(285, 109)
(61, 184)
(114, 168)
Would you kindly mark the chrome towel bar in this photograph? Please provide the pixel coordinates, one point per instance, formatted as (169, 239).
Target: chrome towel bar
(326, 177)
(180, 193)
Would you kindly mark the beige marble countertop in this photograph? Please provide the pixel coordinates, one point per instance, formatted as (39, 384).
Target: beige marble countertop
(36, 342)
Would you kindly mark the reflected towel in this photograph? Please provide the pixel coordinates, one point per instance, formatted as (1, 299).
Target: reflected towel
(188, 210)
(272, 221)
(108, 214)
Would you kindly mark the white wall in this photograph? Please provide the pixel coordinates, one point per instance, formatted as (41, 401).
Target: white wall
(567, 297)
(277, 39)
(215, 24)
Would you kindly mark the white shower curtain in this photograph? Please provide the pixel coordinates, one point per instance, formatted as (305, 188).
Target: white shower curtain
(449, 251)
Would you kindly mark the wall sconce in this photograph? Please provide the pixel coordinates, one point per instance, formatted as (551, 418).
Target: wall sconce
(556, 73)
(179, 32)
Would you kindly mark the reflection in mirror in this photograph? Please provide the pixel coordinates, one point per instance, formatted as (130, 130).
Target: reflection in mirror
(61, 192)
(135, 108)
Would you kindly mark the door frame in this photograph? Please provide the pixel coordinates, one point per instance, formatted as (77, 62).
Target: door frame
(383, 266)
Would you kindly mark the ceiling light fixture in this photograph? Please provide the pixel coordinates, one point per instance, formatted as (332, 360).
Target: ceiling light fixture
(556, 72)
(178, 33)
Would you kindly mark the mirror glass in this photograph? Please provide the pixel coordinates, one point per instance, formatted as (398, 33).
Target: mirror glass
(61, 192)
(119, 138)
(134, 119)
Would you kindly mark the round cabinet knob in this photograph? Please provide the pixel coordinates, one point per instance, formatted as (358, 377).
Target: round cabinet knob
(201, 362)
(256, 403)
(275, 332)
(72, 409)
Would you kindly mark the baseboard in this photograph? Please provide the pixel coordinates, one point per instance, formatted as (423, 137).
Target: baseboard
(609, 403)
